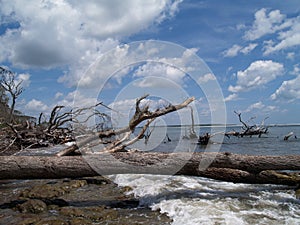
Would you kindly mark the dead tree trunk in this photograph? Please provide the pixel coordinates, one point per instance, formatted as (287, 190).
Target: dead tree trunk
(223, 166)
(121, 137)
(192, 133)
(249, 130)
(144, 114)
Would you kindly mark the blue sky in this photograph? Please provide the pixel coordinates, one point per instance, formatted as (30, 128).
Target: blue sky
(251, 47)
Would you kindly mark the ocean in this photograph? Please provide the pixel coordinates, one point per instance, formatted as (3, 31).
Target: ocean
(193, 200)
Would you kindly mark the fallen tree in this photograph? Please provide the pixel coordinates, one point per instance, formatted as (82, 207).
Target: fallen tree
(65, 125)
(249, 130)
(113, 157)
(118, 139)
(222, 166)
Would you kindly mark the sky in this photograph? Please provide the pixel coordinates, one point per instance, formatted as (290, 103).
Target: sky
(231, 55)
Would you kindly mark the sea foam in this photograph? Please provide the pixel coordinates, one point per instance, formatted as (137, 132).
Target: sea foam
(192, 200)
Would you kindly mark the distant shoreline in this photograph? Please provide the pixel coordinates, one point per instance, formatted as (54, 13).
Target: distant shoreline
(232, 125)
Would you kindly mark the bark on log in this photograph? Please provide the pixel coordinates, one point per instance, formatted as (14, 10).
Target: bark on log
(68, 151)
(223, 166)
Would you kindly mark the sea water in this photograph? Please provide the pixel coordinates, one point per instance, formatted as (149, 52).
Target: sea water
(271, 143)
(196, 200)
(192, 200)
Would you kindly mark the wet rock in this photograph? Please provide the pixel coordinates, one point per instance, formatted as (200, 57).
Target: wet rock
(29, 221)
(95, 200)
(58, 202)
(72, 212)
(52, 222)
(73, 184)
(44, 221)
(95, 214)
(12, 204)
(80, 221)
(52, 190)
(95, 195)
(32, 206)
(97, 180)
(124, 204)
(126, 189)
(53, 207)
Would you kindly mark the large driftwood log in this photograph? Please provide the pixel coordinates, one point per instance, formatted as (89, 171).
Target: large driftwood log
(222, 166)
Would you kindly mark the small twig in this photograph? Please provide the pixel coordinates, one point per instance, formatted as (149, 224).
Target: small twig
(11, 144)
(18, 136)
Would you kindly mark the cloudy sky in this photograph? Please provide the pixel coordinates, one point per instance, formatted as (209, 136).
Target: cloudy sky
(252, 49)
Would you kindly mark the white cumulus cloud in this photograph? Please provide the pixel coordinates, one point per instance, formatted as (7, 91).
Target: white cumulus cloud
(287, 39)
(261, 107)
(165, 71)
(290, 55)
(265, 24)
(257, 74)
(231, 97)
(36, 106)
(285, 30)
(207, 77)
(233, 51)
(236, 49)
(24, 78)
(257, 105)
(69, 33)
(58, 95)
(288, 91)
(246, 50)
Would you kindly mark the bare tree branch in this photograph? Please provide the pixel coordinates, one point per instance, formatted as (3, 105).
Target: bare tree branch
(9, 84)
(144, 114)
(249, 129)
(141, 114)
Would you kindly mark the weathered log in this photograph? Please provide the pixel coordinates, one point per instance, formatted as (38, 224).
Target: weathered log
(286, 137)
(68, 151)
(222, 166)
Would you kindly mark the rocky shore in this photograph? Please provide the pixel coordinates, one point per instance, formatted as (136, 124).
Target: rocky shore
(94, 200)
